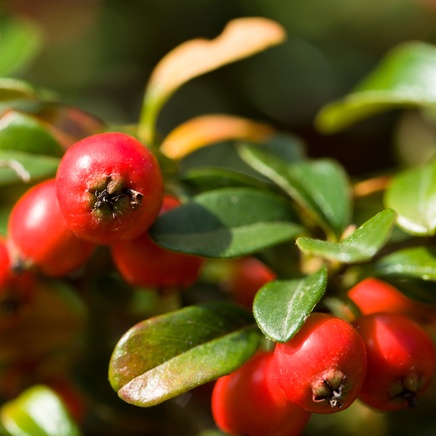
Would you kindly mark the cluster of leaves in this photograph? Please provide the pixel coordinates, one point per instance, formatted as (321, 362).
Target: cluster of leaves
(318, 230)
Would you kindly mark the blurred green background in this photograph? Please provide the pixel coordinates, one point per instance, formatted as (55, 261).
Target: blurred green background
(98, 54)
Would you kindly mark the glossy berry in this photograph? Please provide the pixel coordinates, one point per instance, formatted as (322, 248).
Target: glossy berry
(401, 360)
(250, 402)
(322, 368)
(109, 187)
(144, 263)
(248, 275)
(373, 295)
(38, 235)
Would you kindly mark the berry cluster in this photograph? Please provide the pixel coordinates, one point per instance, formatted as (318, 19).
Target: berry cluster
(383, 358)
(108, 191)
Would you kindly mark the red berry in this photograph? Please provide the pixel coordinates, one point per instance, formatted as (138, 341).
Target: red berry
(38, 234)
(109, 187)
(248, 276)
(322, 368)
(401, 360)
(374, 295)
(144, 263)
(250, 402)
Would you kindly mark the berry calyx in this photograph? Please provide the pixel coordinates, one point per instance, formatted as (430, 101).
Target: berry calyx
(331, 388)
(114, 197)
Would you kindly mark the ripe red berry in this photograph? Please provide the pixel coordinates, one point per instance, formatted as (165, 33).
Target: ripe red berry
(250, 402)
(322, 368)
(374, 295)
(109, 187)
(401, 360)
(248, 275)
(144, 263)
(38, 235)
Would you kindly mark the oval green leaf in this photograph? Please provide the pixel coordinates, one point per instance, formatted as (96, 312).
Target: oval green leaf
(170, 354)
(208, 178)
(25, 133)
(284, 146)
(20, 41)
(227, 222)
(38, 411)
(416, 262)
(405, 77)
(360, 246)
(281, 307)
(15, 89)
(17, 166)
(412, 193)
(320, 186)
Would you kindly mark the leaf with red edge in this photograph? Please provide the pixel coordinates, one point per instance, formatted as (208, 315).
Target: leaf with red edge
(170, 354)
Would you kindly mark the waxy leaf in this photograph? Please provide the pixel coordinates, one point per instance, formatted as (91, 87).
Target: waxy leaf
(68, 124)
(20, 41)
(205, 130)
(25, 133)
(405, 77)
(320, 186)
(281, 307)
(170, 354)
(360, 246)
(17, 166)
(412, 193)
(284, 147)
(38, 411)
(415, 262)
(12, 89)
(209, 178)
(242, 37)
(227, 222)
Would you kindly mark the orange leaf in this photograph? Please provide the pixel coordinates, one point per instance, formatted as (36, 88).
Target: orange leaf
(208, 129)
(241, 38)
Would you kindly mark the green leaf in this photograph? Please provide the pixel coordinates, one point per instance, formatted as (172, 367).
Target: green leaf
(405, 77)
(13, 89)
(416, 262)
(209, 178)
(281, 307)
(360, 246)
(18, 166)
(412, 193)
(284, 146)
(170, 354)
(319, 186)
(25, 133)
(20, 42)
(227, 222)
(38, 411)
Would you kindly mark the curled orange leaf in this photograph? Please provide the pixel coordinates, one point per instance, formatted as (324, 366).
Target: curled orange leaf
(208, 129)
(241, 38)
